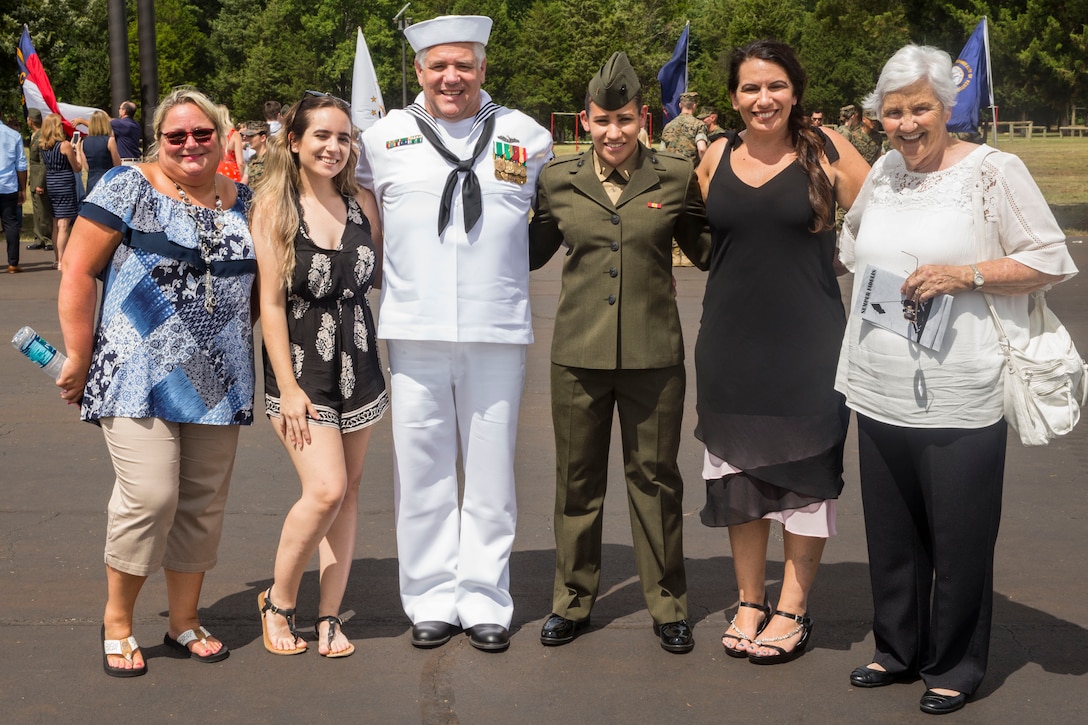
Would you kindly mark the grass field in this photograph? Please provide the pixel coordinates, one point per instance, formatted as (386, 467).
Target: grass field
(1059, 166)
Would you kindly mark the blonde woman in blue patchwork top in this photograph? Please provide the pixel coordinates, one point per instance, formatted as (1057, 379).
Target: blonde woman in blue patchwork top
(167, 372)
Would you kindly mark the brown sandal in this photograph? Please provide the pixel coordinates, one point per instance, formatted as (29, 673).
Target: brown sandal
(334, 624)
(264, 601)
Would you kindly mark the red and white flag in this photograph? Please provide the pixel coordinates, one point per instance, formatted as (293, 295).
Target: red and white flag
(37, 91)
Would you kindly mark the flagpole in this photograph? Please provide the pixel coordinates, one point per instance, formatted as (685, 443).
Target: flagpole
(687, 46)
(989, 72)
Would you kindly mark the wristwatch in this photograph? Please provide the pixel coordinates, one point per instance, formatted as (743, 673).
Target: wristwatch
(978, 280)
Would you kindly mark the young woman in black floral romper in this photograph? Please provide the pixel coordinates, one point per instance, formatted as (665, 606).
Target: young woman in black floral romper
(318, 253)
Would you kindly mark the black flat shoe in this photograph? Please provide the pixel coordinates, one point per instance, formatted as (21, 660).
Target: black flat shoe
(489, 637)
(560, 630)
(804, 626)
(937, 704)
(432, 633)
(866, 677)
(676, 637)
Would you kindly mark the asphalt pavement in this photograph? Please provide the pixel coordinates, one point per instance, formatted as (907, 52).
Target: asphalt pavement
(55, 480)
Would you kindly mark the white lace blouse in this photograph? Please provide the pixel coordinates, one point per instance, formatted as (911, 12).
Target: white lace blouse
(902, 219)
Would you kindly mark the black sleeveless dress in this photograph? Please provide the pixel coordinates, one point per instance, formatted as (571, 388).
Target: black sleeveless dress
(334, 353)
(96, 149)
(767, 350)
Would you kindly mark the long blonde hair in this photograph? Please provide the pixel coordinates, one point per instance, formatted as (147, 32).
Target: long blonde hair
(52, 131)
(99, 125)
(276, 192)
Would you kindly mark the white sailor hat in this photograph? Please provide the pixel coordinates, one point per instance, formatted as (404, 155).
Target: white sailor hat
(448, 29)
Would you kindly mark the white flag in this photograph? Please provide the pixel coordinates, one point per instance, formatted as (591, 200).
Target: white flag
(367, 105)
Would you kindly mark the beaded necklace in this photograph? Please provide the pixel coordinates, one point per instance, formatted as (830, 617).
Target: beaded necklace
(208, 242)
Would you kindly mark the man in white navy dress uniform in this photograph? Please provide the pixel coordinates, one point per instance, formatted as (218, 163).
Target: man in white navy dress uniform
(454, 175)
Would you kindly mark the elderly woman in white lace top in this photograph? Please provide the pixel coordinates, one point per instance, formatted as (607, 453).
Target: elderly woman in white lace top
(931, 435)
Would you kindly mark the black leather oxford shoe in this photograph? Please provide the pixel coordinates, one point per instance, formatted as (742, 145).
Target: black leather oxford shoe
(432, 634)
(937, 704)
(676, 637)
(560, 630)
(489, 637)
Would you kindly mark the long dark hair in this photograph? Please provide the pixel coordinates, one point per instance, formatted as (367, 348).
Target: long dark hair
(276, 194)
(807, 141)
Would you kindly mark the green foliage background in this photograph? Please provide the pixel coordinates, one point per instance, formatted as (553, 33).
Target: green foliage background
(542, 52)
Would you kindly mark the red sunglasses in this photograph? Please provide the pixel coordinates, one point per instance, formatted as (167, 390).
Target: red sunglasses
(200, 135)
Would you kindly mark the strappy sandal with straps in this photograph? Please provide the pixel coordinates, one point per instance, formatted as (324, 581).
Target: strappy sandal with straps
(804, 627)
(264, 601)
(738, 653)
(334, 624)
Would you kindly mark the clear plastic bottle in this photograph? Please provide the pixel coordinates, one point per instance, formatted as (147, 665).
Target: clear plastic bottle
(38, 351)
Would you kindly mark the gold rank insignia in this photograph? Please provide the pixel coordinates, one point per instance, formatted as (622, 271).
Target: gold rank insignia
(511, 163)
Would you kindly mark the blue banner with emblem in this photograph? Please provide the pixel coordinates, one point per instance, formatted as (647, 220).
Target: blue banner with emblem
(673, 76)
(971, 73)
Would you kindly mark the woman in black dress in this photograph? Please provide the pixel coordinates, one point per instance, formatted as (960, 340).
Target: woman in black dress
(765, 358)
(98, 149)
(318, 255)
(61, 162)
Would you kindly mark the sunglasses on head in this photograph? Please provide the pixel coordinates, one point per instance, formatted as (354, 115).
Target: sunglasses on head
(319, 94)
(200, 135)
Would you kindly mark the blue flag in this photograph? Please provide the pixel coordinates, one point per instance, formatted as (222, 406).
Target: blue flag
(971, 75)
(674, 76)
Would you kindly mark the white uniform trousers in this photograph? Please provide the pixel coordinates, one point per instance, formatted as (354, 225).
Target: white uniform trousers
(455, 561)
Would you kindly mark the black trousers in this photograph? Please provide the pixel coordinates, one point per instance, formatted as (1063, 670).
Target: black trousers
(932, 501)
(9, 219)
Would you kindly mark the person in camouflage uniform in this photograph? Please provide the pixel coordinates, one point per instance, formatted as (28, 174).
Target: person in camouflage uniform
(866, 137)
(256, 135)
(709, 116)
(686, 134)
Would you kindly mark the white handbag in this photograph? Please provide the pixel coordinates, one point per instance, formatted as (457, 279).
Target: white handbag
(1046, 382)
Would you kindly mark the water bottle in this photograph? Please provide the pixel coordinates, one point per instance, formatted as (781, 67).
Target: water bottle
(38, 351)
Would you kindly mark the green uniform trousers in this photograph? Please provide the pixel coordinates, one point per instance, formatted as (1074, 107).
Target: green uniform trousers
(651, 406)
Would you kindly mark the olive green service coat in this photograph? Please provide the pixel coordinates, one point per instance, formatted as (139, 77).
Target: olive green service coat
(618, 344)
(616, 306)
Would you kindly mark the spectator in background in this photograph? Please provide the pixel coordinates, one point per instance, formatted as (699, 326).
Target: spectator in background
(816, 119)
(709, 116)
(848, 119)
(13, 168)
(686, 134)
(127, 133)
(98, 150)
(257, 136)
(233, 152)
(43, 210)
(62, 163)
(272, 116)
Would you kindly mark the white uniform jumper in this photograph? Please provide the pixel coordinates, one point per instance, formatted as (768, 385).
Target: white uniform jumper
(455, 314)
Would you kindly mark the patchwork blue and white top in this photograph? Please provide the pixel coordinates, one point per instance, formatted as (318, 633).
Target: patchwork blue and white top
(158, 353)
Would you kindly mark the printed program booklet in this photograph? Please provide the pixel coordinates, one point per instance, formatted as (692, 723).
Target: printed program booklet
(881, 304)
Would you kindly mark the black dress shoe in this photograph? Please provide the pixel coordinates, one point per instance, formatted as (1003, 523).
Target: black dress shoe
(560, 630)
(937, 704)
(432, 634)
(676, 637)
(867, 677)
(489, 637)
